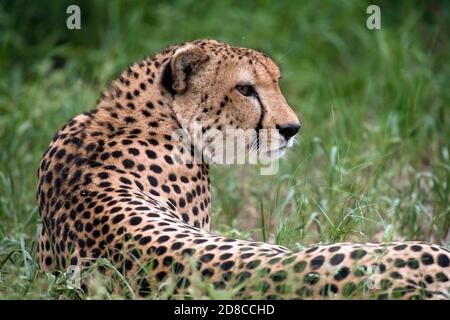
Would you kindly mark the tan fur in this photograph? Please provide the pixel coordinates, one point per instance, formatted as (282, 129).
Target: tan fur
(109, 187)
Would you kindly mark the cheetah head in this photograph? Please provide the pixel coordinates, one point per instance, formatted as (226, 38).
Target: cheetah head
(231, 93)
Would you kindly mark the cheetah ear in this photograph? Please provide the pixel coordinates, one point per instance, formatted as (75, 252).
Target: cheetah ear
(185, 62)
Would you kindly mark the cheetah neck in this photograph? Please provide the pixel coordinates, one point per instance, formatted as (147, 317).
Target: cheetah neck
(135, 108)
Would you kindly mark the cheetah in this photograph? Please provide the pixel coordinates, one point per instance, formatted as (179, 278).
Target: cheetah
(109, 187)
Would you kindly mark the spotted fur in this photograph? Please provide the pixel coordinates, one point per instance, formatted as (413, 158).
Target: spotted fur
(109, 187)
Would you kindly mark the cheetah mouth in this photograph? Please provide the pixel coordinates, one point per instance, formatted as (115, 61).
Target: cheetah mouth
(277, 152)
(280, 151)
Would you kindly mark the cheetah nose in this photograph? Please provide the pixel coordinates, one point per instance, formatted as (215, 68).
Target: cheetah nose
(288, 130)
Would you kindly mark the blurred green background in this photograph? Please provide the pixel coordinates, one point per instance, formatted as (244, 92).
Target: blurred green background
(373, 159)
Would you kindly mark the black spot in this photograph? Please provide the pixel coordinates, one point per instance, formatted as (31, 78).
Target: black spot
(399, 263)
(337, 259)
(129, 119)
(150, 154)
(311, 278)
(153, 181)
(358, 254)
(429, 279)
(168, 159)
(400, 247)
(127, 163)
(145, 240)
(225, 256)
(167, 261)
(103, 175)
(133, 151)
(144, 288)
(253, 264)
(116, 154)
(98, 209)
(161, 250)
(334, 248)
(127, 142)
(135, 221)
(162, 239)
(184, 179)
(312, 249)
(155, 168)
(342, 273)
(48, 260)
(279, 276)
(360, 271)
(188, 252)
(185, 217)
(396, 275)
(427, 259)
(125, 180)
(317, 262)
(243, 276)
(161, 275)
(299, 266)
(413, 263)
(443, 260)
(441, 277)
(60, 154)
(176, 188)
(183, 283)
(104, 156)
(76, 177)
(227, 265)
(116, 209)
(177, 268)
(206, 257)
(49, 177)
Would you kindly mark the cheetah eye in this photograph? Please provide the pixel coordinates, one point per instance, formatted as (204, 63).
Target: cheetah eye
(246, 90)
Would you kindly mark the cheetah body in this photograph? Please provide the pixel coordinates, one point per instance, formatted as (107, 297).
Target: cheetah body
(109, 187)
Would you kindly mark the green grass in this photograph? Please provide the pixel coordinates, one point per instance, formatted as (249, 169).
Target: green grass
(373, 159)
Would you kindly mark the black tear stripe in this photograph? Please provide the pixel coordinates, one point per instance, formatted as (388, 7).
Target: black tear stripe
(261, 118)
